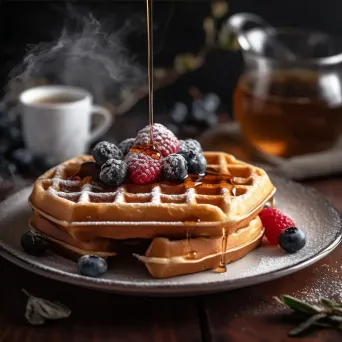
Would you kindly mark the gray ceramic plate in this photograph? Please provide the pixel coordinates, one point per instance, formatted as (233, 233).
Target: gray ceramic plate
(321, 222)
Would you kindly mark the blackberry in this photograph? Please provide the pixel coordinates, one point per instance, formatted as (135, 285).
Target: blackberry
(174, 168)
(113, 172)
(104, 151)
(197, 164)
(126, 145)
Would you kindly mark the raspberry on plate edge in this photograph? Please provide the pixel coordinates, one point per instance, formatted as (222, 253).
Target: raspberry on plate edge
(274, 222)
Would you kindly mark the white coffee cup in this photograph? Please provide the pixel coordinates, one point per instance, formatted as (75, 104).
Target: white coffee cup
(56, 120)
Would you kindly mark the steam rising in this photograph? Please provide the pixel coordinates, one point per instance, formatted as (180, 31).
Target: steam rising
(87, 57)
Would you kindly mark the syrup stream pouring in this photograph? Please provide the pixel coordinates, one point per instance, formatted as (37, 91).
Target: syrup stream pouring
(149, 19)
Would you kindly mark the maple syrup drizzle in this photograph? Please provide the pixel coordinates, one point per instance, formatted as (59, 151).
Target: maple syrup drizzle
(149, 150)
(86, 169)
(272, 202)
(149, 19)
(191, 253)
(221, 268)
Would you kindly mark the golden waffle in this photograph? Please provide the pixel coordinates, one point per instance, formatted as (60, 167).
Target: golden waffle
(165, 258)
(54, 233)
(230, 197)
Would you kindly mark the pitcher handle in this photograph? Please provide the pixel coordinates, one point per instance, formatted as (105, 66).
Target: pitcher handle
(237, 24)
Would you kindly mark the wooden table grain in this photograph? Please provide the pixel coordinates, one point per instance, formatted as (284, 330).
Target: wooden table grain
(245, 315)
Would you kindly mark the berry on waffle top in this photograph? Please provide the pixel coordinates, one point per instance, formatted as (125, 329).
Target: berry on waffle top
(137, 161)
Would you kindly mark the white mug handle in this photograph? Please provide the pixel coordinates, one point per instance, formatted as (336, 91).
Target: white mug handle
(103, 127)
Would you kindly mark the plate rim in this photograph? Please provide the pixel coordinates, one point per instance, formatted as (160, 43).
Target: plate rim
(170, 290)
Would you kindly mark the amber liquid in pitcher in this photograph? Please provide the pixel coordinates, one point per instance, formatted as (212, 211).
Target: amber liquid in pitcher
(288, 113)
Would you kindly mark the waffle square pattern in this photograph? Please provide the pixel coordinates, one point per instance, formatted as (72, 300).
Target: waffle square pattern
(230, 193)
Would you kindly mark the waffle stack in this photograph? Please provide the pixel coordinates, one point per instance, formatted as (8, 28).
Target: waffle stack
(184, 223)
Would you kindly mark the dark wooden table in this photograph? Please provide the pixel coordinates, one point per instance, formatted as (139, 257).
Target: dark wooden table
(250, 314)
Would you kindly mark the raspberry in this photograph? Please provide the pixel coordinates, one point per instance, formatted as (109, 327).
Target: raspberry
(274, 222)
(163, 139)
(126, 145)
(142, 168)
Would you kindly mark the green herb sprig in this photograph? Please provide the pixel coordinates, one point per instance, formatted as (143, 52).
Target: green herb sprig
(325, 313)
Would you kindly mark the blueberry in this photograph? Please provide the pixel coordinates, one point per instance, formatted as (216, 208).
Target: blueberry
(190, 145)
(199, 112)
(34, 243)
(22, 159)
(105, 150)
(179, 112)
(197, 164)
(211, 102)
(292, 239)
(92, 266)
(126, 145)
(113, 172)
(174, 168)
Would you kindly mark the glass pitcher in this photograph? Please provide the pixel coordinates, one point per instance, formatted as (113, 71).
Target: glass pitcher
(288, 100)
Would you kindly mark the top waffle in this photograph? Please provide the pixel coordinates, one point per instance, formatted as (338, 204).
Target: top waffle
(230, 192)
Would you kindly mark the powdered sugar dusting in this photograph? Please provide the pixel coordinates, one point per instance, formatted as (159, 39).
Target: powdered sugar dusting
(113, 172)
(175, 167)
(326, 283)
(190, 145)
(120, 195)
(156, 194)
(105, 150)
(190, 196)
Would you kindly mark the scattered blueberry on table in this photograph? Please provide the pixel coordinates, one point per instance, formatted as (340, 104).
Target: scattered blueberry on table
(34, 243)
(92, 266)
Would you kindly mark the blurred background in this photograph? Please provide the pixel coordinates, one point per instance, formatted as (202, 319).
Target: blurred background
(198, 65)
